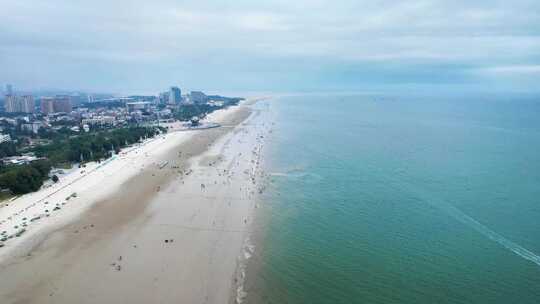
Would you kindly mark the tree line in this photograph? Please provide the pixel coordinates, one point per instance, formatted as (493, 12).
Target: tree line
(187, 111)
(20, 179)
(8, 149)
(92, 147)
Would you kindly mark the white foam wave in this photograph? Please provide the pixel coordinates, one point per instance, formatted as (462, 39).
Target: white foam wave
(247, 250)
(471, 222)
(474, 224)
(278, 174)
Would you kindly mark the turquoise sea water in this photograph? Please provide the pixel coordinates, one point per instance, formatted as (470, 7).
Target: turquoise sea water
(389, 199)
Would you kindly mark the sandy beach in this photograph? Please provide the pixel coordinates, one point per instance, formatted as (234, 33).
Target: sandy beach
(165, 221)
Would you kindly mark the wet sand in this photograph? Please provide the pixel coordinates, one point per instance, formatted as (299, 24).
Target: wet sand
(169, 235)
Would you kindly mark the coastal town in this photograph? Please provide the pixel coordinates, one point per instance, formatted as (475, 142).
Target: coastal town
(42, 135)
(138, 197)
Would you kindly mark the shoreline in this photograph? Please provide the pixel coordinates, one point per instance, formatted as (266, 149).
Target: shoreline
(254, 246)
(82, 182)
(140, 204)
(238, 293)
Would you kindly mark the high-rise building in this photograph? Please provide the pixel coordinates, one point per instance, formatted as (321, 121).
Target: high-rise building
(175, 95)
(10, 104)
(15, 104)
(164, 97)
(56, 104)
(27, 104)
(47, 105)
(63, 104)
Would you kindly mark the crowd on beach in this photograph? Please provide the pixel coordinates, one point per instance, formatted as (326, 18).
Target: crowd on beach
(200, 188)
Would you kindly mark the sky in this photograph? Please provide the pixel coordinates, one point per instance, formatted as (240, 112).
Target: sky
(135, 46)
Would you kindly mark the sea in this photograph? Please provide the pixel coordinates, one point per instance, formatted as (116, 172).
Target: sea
(399, 198)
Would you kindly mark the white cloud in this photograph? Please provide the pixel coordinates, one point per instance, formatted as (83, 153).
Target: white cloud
(258, 21)
(511, 70)
(162, 33)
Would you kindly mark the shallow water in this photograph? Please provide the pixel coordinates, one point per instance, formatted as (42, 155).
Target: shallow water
(392, 199)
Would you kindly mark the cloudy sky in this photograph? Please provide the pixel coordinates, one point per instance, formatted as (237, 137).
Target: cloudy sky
(284, 45)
